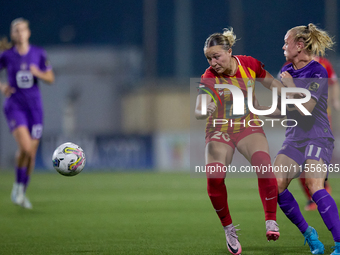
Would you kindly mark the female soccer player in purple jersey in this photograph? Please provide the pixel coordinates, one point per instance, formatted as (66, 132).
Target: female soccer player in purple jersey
(25, 64)
(309, 145)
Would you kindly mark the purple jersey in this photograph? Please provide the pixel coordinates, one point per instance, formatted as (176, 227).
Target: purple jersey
(27, 94)
(24, 106)
(313, 77)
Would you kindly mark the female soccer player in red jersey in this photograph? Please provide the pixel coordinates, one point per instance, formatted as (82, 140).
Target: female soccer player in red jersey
(247, 137)
(25, 64)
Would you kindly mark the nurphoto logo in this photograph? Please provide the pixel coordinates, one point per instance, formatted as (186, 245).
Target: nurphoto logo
(239, 105)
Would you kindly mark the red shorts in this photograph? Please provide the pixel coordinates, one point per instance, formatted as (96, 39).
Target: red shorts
(232, 139)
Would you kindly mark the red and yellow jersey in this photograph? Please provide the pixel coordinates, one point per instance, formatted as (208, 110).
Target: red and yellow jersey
(332, 77)
(248, 70)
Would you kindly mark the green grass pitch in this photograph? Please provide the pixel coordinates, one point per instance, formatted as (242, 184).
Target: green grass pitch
(142, 213)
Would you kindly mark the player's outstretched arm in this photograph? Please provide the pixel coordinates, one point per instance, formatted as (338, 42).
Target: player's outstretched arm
(47, 76)
(201, 101)
(288, 81)
(270, 82)
(276, 114)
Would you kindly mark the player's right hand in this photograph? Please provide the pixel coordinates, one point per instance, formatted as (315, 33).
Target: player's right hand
(211, 107)
(287, 79)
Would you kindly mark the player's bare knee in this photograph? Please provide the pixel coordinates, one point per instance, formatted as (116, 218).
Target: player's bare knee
(282, 184)
(314, 184)
(26, 153)
(216, 151)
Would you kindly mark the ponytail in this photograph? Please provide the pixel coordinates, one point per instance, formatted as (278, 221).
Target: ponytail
(227, 39)
(316, 40)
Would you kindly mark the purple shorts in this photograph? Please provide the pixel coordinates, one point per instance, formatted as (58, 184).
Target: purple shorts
(309, 149)
(32, 119)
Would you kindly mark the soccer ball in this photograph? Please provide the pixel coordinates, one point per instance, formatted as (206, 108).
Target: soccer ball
(68, 159)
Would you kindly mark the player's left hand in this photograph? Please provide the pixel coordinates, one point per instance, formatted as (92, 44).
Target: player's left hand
(211, 108)
(295, 95)
(287, 79)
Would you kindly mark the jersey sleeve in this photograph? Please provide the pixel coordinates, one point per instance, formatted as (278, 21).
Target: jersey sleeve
(256, 66)
(283, 68)
(44, 63)
(318, 84)
(330, 71)
(207, 82)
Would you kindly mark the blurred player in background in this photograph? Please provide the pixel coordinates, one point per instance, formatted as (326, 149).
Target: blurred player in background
(221, 140)
(310, 143)
(25, 64)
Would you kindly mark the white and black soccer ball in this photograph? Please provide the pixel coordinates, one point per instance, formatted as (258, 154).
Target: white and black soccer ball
(69, 159)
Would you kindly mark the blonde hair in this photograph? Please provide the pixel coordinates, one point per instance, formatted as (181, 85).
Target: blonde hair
(19, 20)
(227, 39)
(315, 40)
(5, 44)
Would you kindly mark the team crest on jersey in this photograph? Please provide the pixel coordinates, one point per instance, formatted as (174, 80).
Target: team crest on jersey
(314, 86)
(250, 83)
(223, 92)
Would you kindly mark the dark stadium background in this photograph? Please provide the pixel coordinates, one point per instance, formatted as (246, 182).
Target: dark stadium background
(120, 23)
(121, 58)
(126, 84)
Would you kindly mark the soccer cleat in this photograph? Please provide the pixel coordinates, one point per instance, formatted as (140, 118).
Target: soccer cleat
(18, 194)
(26, 203)
(14, 192)
(233, 244)
(21, 194)
(311, 237)
(272, 230)
(311, 206)
(336, 249)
